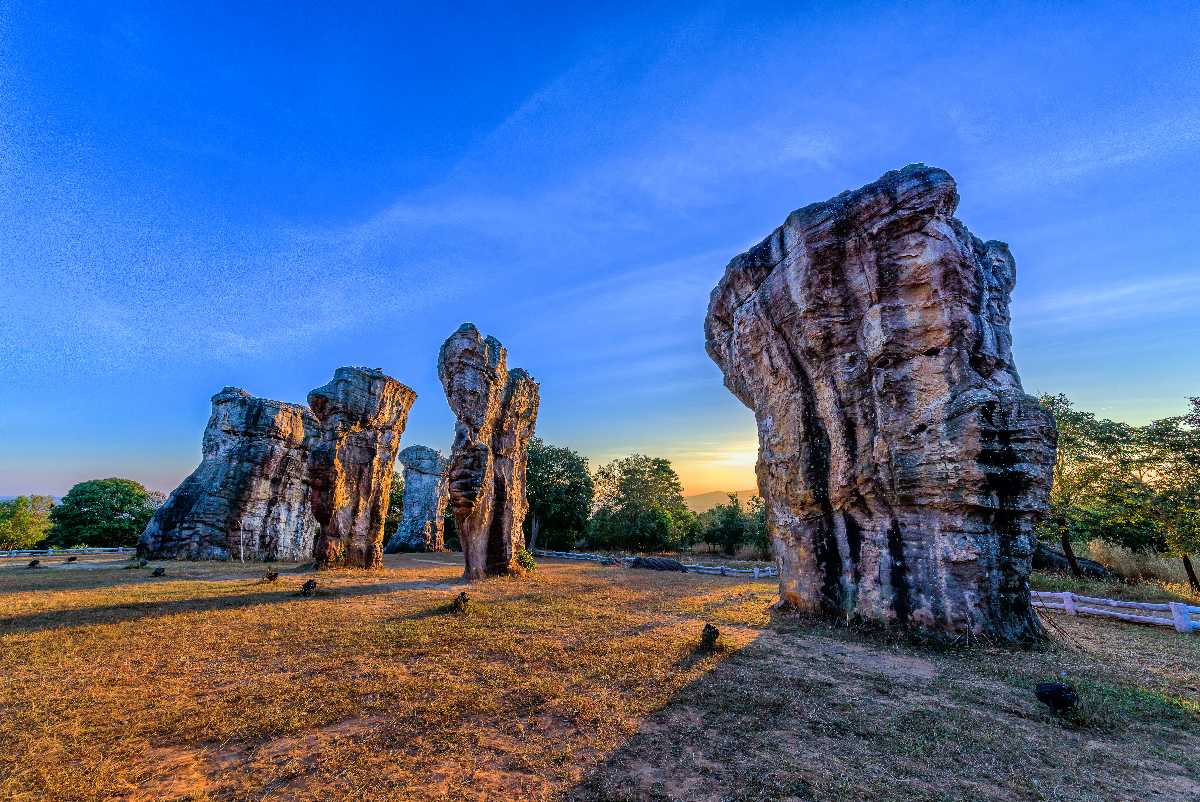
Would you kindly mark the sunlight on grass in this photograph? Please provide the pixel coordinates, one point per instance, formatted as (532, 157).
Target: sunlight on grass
(581, 679)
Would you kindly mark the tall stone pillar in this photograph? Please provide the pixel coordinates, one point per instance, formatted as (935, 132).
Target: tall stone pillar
(426, 493)
(496, 410)
(902, 465)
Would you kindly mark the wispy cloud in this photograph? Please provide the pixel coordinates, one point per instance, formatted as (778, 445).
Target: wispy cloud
(1131, 138)
(1115, 301)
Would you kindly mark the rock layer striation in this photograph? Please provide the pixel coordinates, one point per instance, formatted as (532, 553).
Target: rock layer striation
(282, 482)
(496, 410)
(249, 498)
(426, 493)
(902, 465)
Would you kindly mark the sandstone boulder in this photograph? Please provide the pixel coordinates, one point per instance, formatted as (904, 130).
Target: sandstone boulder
(282, 482)
(902, 465)
(249, 498)
(496, 410)
(426, 493)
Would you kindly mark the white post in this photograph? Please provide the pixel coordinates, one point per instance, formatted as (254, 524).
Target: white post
(756, 572)
(1069, 603)
(1179, 614)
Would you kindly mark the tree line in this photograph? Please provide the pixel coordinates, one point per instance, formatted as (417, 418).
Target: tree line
(633, 503)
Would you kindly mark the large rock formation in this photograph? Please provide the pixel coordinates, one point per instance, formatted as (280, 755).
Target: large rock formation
(249, 498)
(282, 482)
(496, 410)
(902, 465)
(426, 492)
(362, 414)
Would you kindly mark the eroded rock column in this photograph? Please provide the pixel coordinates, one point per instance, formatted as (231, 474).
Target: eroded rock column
(496, 410)
(902, 464)
(362, 414)
(426, 493)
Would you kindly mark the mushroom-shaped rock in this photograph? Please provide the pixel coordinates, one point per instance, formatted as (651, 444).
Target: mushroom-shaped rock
(426, 493)
(496, 410)
(902, 465)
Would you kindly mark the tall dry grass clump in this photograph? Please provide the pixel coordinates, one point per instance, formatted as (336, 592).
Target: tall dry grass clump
(1142, 567)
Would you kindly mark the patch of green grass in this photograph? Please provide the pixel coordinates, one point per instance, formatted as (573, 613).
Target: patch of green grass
(1108, 706)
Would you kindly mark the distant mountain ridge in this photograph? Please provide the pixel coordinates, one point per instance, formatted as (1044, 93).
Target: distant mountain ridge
(706, 501)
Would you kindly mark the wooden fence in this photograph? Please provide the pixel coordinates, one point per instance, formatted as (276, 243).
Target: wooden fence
(754, 572)
(1183, 617)
(63, 552)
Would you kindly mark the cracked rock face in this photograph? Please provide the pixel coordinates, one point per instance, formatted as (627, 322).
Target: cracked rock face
(249, 497)
(282, 482)
(426, 493)
(902, 465)
(362, 414)
(496, 410)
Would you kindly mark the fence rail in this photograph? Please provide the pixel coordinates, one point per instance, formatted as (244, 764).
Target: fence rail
(1183, 617)
(754, 572)
(63, 552)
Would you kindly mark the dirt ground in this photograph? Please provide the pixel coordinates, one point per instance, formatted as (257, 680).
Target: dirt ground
(579, 682)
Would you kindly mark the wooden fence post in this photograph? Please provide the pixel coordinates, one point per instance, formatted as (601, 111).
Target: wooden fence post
(1069, 603)
(1179, 614)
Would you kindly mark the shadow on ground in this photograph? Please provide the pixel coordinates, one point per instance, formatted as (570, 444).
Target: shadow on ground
(798, 715)
(272, 593)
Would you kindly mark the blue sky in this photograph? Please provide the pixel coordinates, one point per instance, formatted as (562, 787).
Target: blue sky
(195, 198)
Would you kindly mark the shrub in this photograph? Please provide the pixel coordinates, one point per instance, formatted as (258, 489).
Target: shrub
(526, 561)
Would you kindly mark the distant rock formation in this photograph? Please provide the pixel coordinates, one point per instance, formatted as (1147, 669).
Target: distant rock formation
(426, 493)
(496, 410)
(275, 478)
(902, 465)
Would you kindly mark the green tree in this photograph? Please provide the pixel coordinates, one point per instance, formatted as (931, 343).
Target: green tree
(1171, 468)
(395, 509)
(639, 506)
(102, 513)
(756, 527)
(728, 527)
(1098, 489)
(733, 524)
(559, 487)
(24, 521)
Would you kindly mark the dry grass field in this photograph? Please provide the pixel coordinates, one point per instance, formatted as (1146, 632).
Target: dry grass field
(580, 682)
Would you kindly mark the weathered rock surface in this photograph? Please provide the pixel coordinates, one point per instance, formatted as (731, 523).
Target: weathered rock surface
(902, 465)
(281, 482)
(426, 493)
(249, 498)
(362, 414)
(496, 410)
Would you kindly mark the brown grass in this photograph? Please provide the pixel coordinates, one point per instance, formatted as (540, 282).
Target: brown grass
(579, 682)
(1145, 566)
